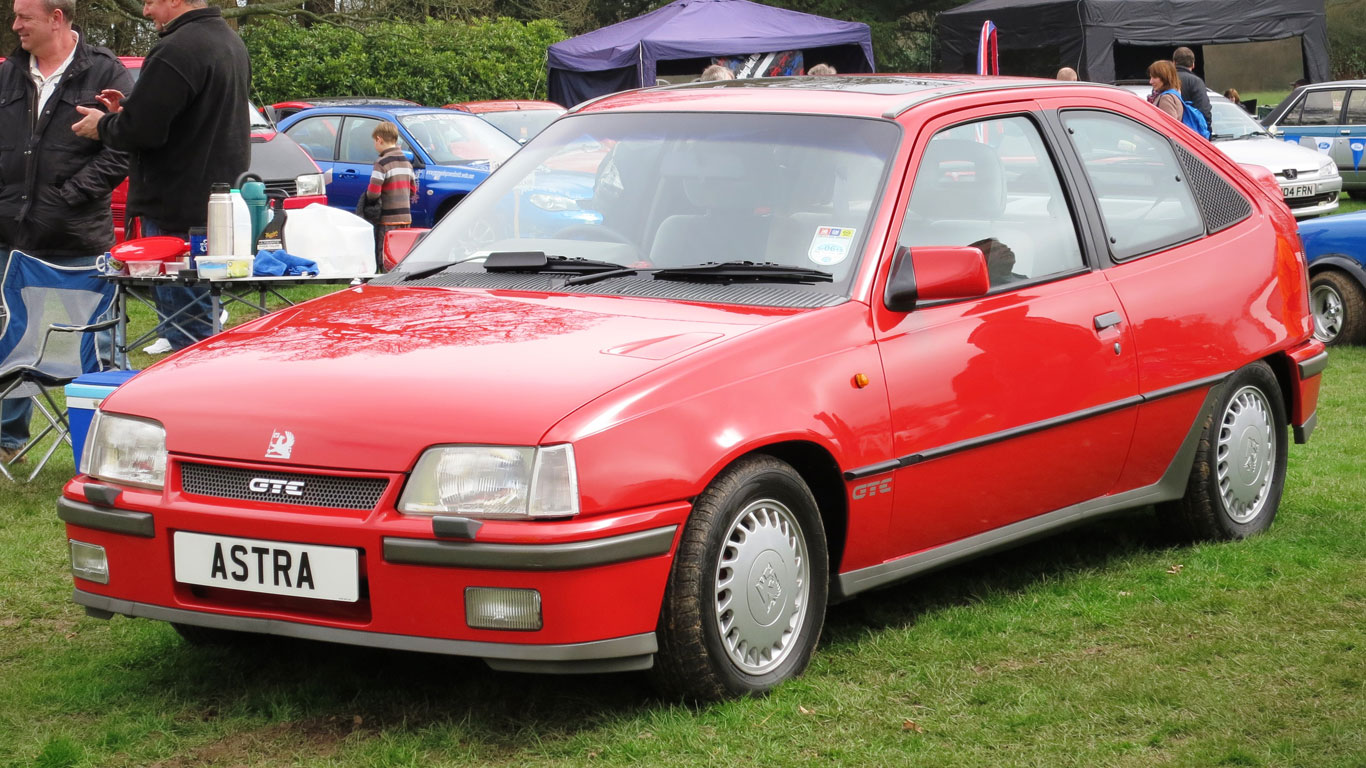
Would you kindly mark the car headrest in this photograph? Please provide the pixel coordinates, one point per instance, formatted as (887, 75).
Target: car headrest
(959, 179)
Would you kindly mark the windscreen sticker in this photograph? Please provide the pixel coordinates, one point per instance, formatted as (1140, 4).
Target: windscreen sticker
(830, 245)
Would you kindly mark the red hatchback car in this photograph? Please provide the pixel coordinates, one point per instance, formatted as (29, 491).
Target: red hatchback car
(824, 334)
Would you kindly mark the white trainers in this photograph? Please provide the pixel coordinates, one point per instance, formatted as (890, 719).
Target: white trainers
(158, 347)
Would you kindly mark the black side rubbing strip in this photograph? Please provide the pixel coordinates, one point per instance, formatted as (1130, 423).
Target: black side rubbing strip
(1024, 429)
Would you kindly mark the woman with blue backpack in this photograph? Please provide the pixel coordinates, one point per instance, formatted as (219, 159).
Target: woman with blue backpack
(1166, 95)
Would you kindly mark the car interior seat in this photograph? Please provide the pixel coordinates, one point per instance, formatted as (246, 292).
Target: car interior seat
(959, 198)
(733, 224)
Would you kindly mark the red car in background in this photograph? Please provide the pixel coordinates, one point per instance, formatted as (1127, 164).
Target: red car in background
(519, 119)
(282, 164)
(818, 335)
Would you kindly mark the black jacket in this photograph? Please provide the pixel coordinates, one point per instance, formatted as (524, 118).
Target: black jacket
(1193, 90)
(55, 185)
(186, 123)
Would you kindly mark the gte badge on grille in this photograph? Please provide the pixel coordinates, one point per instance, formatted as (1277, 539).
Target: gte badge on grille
(277, 487)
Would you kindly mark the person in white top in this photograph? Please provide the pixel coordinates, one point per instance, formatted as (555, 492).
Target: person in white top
(54, 185)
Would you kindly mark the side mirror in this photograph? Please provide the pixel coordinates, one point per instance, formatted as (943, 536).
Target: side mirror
(414, 160)
(935, 273)
(399, 243)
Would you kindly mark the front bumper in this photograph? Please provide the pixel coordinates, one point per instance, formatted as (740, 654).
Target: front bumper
(1322, 200)
(600, 580)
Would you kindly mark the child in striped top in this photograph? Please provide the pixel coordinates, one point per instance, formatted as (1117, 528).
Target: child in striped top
(392, 183)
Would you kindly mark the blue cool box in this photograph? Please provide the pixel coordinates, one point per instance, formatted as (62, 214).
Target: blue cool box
(83, 396)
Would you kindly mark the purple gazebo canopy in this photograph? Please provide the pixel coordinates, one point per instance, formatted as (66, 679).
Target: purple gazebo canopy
(626, 55)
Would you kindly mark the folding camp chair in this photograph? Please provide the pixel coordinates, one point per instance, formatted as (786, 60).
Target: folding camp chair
(49, 339)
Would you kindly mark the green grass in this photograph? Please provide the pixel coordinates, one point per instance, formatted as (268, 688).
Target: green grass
(1106, 646)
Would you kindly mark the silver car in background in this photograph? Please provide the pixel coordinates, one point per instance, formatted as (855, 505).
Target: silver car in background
(1309, 179)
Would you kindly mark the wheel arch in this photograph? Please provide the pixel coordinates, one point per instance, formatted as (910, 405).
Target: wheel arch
(446, 205)
(1338, 263)
(1284, 369)
(821, 473)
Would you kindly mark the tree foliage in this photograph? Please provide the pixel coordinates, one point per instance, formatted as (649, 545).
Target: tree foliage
(433, 62)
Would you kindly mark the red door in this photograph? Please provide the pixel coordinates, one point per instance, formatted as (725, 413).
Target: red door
(1020, 402)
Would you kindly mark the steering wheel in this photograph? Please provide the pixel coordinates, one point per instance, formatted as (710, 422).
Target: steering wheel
(594, 232)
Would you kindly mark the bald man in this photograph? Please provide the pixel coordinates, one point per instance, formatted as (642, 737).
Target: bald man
(1067, 73)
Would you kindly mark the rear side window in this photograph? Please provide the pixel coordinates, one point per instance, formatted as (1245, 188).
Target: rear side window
(317, 135)
(1142, 190)
(1356, 107)
(1316, 108)
(993, 185)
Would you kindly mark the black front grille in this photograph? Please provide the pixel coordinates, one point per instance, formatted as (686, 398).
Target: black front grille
(286, 188)
(1307, 202)
(316, 491)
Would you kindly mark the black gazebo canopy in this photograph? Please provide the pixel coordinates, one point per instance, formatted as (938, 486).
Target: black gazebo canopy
(1099, 37)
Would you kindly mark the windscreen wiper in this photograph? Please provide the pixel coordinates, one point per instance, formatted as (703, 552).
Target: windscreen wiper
(744, 271)
(536, 261)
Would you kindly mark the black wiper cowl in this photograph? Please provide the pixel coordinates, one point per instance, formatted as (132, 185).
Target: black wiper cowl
(744, 271)
(537, 261)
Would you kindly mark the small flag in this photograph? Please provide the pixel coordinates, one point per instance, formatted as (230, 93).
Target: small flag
(1357, 148)
(988, 59)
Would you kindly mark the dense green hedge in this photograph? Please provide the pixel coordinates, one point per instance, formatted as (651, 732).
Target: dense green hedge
(436, 62)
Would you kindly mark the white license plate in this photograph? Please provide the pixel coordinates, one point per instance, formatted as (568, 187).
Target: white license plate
(1299, 190)
(272, 567)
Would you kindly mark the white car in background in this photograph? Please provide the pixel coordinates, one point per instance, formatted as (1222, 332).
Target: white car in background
(1309, 179)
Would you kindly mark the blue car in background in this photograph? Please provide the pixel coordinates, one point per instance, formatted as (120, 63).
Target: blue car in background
(1336, 249)
(451, 152)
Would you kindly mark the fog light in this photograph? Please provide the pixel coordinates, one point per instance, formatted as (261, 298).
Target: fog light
(497, 608)
(88, 562)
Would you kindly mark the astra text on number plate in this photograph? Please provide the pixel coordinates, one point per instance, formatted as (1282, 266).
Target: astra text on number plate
(272, 567)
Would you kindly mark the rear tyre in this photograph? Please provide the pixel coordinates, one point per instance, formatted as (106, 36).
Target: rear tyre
(1239, 471)
(1339, 308)
(746, 596)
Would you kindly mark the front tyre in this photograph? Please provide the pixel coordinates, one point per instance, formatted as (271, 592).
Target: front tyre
(1239, 471)
(746, 597)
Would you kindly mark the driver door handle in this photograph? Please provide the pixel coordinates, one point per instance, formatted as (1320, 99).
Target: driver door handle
(1108, 320)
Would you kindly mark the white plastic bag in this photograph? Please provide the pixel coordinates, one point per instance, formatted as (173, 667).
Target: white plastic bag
(341, 242)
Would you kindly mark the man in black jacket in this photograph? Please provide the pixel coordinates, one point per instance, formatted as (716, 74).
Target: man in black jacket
(1192, 87)
(54, 199)
(186, 126)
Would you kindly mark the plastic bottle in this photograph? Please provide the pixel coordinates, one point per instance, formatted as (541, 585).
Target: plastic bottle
(254, 194)
(241, 226)
(220, 221)
(273, 236)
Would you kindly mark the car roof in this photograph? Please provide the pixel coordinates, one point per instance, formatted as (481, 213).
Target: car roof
(1332, 84)
(371, 110)
(858, 95)
(503, 105)
(335, 101)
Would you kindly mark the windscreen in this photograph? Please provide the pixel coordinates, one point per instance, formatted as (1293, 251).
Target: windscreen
(456, 139)
(665, 191)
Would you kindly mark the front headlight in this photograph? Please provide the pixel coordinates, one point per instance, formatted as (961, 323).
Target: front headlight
(493, 481)
(122, 449)
(310, 184)
(1327, 167)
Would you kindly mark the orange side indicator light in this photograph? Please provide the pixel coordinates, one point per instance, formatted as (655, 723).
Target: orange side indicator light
(860, 380)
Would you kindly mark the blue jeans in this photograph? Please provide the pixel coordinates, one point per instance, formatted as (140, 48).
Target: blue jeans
(195, 321)
(16, 414)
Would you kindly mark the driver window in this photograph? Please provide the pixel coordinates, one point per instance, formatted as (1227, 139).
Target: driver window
(992, 185)
(1142, 191)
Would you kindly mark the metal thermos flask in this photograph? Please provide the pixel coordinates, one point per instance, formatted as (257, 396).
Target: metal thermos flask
(220, 221)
